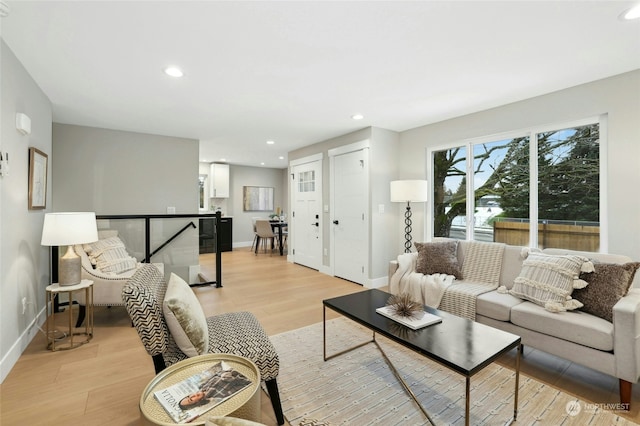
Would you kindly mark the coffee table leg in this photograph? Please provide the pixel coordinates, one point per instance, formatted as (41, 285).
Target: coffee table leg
(515, 395)
(324, 332)
(324, 338)
(408, 389)
(466, 400)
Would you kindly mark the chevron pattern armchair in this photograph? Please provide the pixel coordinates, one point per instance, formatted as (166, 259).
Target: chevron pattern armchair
(237, 333)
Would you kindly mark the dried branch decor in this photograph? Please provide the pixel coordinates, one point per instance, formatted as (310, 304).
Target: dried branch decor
(403, 306)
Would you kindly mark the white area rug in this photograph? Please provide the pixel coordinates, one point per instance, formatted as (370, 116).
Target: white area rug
(358, 388)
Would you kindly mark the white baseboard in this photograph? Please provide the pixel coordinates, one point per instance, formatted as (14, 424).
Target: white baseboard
(378, 282)
(242, 244)
(16, 350)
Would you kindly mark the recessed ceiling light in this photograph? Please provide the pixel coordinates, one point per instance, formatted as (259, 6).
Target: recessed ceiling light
(632, 13)
(270, 142)
(357, 116)
(173, 71)
(281, 157)
(262, 164)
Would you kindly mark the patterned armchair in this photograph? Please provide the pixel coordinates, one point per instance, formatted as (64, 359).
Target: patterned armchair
(237, 333)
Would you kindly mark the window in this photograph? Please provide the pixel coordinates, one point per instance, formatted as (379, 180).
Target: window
(202, 203)
(307, 181)
(538, 188)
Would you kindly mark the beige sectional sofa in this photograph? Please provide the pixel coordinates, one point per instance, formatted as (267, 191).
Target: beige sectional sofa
(611, 347)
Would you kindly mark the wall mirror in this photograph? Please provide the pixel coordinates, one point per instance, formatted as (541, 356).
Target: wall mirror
(257, 199)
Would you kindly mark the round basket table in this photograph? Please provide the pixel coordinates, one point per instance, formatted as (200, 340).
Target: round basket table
(245, 404)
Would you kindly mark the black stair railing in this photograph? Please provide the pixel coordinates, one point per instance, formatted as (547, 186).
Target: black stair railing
(187, 226)
(147, 240)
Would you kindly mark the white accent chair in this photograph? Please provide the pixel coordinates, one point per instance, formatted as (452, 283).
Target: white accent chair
(107, 286)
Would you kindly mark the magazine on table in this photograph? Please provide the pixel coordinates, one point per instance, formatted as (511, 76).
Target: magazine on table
(422, 319)
(197, 394)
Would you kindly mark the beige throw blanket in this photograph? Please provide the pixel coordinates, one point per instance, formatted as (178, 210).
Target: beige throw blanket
(427, 289)
(480, 271)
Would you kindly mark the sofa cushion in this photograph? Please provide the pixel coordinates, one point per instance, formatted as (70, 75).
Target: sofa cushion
(511, 265)
(496, 305)
(185, 317)
(438, 258)
(598, 257)
(549, 280)
(607, 284)
(576, 326)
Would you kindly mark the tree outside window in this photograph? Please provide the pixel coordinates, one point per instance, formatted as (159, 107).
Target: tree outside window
(566, 203)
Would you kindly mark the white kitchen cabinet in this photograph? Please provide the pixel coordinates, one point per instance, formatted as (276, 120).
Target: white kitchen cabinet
(219, 181)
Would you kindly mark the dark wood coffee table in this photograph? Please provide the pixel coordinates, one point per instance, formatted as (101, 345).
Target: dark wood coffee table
(463, 346)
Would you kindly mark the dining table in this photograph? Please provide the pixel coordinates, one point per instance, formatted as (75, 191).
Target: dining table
(279, 225)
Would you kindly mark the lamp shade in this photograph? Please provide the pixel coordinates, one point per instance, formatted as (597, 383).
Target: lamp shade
(64, 229)
(403, 191)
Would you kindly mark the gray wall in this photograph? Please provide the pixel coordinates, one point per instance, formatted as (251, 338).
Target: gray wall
(123, 173)
(24, 263)
(118, 172)
(616, 96)
(240, 176)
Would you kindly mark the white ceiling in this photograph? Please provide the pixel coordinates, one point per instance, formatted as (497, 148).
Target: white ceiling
(295, 72)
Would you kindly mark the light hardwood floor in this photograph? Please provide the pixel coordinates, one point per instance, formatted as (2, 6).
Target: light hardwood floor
(100, 383)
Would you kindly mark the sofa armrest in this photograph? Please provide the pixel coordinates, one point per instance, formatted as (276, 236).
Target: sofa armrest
(393, 267)
(626, 339)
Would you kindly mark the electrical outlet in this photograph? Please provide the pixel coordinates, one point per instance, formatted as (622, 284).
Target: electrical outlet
(24, 305)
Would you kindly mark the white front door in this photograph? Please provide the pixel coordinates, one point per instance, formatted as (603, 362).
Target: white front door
(306, 188)
(350, 248)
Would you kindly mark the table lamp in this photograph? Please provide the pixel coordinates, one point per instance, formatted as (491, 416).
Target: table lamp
(67, 229)
(406, 191)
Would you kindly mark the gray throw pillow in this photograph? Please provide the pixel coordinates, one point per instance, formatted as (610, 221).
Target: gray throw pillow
(608, 284)
(438, 258)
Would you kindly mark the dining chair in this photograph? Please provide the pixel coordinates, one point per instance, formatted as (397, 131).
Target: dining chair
(264, 233)
(255, 234)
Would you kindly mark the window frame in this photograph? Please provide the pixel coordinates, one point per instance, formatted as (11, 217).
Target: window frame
(532, 133)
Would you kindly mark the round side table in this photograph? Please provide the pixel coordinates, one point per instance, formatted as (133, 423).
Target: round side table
(245, 404)
(52, 291)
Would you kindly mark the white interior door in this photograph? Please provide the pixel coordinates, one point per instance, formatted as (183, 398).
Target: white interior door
(307, 209)
(350, 248)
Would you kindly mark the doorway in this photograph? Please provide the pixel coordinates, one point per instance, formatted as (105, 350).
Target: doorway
(306, 223)
(350, 212)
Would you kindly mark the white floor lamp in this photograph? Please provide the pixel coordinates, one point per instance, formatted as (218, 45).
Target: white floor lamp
(407, 191)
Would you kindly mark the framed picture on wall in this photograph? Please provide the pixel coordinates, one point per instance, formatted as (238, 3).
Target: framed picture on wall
(38, 162)
(257, 199)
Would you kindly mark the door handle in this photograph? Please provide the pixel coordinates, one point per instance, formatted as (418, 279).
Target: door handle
(315, 224)
(335, 222)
